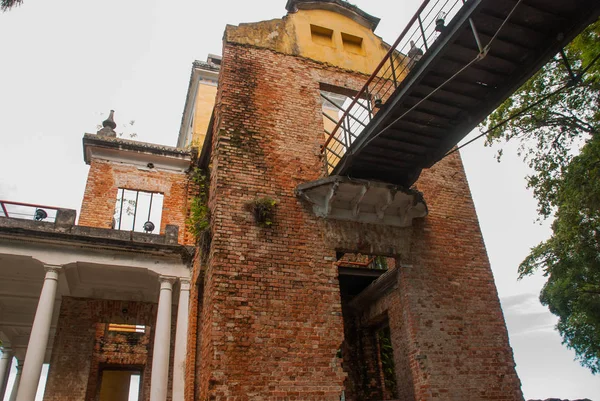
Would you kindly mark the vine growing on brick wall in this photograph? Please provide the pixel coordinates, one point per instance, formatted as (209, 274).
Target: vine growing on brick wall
(198, 221)
(386, 354)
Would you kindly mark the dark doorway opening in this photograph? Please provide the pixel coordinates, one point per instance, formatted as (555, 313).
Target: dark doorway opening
(120, 384)
(366, 351)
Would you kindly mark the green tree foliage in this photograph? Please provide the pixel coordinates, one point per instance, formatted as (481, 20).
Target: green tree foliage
(198, 221)
(6, 5)
(559, 140)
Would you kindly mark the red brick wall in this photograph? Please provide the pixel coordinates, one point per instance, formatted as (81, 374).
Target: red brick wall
(104, 180)
(271, 321)
(193, 350)
(448, 332)
(114, 350)
(83, 346)
(360, 359)
(448, 308)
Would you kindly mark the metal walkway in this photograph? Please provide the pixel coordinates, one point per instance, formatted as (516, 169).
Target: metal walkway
(453, 64)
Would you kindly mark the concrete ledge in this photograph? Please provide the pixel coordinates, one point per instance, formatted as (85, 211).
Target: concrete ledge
(363, 201)
(127, 144)
(64, 231)
(146, 155)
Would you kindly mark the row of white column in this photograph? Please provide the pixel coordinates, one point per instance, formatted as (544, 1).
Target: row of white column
(5, 367)
(29, 371)
(159, 380)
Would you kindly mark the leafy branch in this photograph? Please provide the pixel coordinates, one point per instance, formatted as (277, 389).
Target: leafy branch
(560, 143)
(198, 221)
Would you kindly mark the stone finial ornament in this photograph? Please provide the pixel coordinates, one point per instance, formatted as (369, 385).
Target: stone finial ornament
(108, 126)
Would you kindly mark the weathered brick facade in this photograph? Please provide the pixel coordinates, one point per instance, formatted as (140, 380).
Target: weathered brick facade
(83, 346)
(270, 315)
(106, 177)
(271, 318)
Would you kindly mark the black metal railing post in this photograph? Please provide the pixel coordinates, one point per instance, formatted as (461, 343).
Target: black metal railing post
(423, 33)
(348, 139)
(393, 70)
(368, 101)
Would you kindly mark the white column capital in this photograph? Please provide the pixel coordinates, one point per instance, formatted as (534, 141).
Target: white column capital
(52, 271)
(184, 284)
(166, 282)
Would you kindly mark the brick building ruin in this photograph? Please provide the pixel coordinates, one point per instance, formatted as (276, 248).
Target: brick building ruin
(232, 268)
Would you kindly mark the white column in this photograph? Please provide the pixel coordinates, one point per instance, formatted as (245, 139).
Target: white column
(159, 380)
(5, 365)
(38, 340)
(181, 340)
(15, 387)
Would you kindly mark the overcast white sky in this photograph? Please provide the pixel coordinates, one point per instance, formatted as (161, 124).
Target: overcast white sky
(64, 62)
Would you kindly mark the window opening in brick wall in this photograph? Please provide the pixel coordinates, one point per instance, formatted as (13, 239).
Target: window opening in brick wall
(335, 101)
(352, 44)
(321, 35)
(138, 211)
(120, 385)
(126, 328)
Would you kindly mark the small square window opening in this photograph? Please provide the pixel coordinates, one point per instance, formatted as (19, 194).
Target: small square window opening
(321, 35)
(352, 44)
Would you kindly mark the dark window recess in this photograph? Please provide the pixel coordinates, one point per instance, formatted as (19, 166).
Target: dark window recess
(353, 44)
(138, 211)
(321, 35)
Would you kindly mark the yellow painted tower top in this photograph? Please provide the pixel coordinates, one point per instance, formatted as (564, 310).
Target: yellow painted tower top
(330, 31)
(334, 32)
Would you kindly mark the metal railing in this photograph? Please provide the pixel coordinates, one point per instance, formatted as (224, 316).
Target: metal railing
(413, 43)
(27, 211)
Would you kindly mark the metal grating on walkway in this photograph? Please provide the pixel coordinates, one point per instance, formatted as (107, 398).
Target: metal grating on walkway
(452, 65)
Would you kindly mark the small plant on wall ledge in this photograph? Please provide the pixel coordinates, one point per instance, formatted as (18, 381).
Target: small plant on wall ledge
(263, 210)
